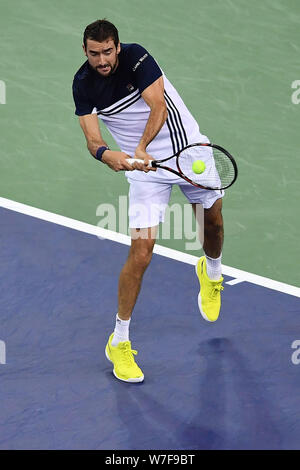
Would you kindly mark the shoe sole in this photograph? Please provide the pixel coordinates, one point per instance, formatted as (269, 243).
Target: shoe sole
(199, 300)
(133, 380)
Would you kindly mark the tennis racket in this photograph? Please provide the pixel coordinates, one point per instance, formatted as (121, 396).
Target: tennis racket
(220, 167)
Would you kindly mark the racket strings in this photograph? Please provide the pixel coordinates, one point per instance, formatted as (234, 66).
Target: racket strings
(217, 175)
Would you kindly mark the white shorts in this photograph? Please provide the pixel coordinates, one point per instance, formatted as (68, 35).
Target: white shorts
(148, 200)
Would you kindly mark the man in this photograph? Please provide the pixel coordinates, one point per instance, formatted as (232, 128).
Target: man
(124, 86)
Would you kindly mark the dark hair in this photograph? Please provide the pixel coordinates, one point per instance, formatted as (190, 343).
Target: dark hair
(100, 31)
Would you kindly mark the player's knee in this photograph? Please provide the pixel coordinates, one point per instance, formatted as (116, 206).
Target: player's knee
(142, 256)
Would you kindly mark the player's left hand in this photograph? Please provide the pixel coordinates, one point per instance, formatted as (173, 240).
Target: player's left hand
(142, 154)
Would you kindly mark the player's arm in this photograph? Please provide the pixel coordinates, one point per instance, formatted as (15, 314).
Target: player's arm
(154, 97)
(114, 159)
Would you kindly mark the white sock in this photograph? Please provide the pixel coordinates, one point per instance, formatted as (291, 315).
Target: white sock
(121, 332)
(214, 267)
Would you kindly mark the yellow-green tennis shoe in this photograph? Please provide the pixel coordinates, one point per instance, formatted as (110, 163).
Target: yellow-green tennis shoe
(209, 298)
(125, 367)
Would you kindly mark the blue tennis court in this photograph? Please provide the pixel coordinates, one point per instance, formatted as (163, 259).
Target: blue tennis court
(227, 385)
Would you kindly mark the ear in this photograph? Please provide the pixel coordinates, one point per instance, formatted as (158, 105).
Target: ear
(118, 48)
(84, 50)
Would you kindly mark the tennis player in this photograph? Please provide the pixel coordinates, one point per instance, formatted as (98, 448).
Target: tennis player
(123, 85)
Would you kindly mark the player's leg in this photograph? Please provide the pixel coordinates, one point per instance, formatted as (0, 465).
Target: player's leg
(208, 268)
(147, 203)
(139, 257)
(213, 238)
(118, 349)
(213, 230)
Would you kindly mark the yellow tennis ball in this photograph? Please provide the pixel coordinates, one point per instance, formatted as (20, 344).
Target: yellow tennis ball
(198, 167)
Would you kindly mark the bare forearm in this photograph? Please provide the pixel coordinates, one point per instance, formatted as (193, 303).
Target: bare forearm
(90, 127)
(93, 146)
(156, 120)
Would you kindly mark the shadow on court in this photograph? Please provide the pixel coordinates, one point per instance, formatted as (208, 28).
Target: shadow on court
(233, 410)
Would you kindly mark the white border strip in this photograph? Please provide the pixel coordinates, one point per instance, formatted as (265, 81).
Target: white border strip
(233, 282)
(237, 274)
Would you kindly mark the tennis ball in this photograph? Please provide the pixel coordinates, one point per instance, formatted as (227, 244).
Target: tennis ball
(198, 166)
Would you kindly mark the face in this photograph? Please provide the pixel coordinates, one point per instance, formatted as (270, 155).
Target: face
(102, 56)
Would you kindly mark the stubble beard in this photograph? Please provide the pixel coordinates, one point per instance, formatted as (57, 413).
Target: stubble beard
(112, 69)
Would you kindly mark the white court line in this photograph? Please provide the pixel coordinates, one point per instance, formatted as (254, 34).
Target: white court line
(233, 282)
(237, 274)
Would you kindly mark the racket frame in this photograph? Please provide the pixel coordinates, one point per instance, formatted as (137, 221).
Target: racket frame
(157, 164)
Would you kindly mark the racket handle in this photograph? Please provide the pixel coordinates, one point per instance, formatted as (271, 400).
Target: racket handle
(138, 160)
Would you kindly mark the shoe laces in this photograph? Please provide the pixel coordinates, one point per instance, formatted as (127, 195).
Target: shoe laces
(215, 290)
(127, 356)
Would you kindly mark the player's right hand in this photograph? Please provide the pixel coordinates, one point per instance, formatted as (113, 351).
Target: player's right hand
(117, 160)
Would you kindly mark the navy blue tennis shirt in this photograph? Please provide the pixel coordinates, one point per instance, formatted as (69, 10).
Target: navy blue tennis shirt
(136, 70)
(117, 101)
